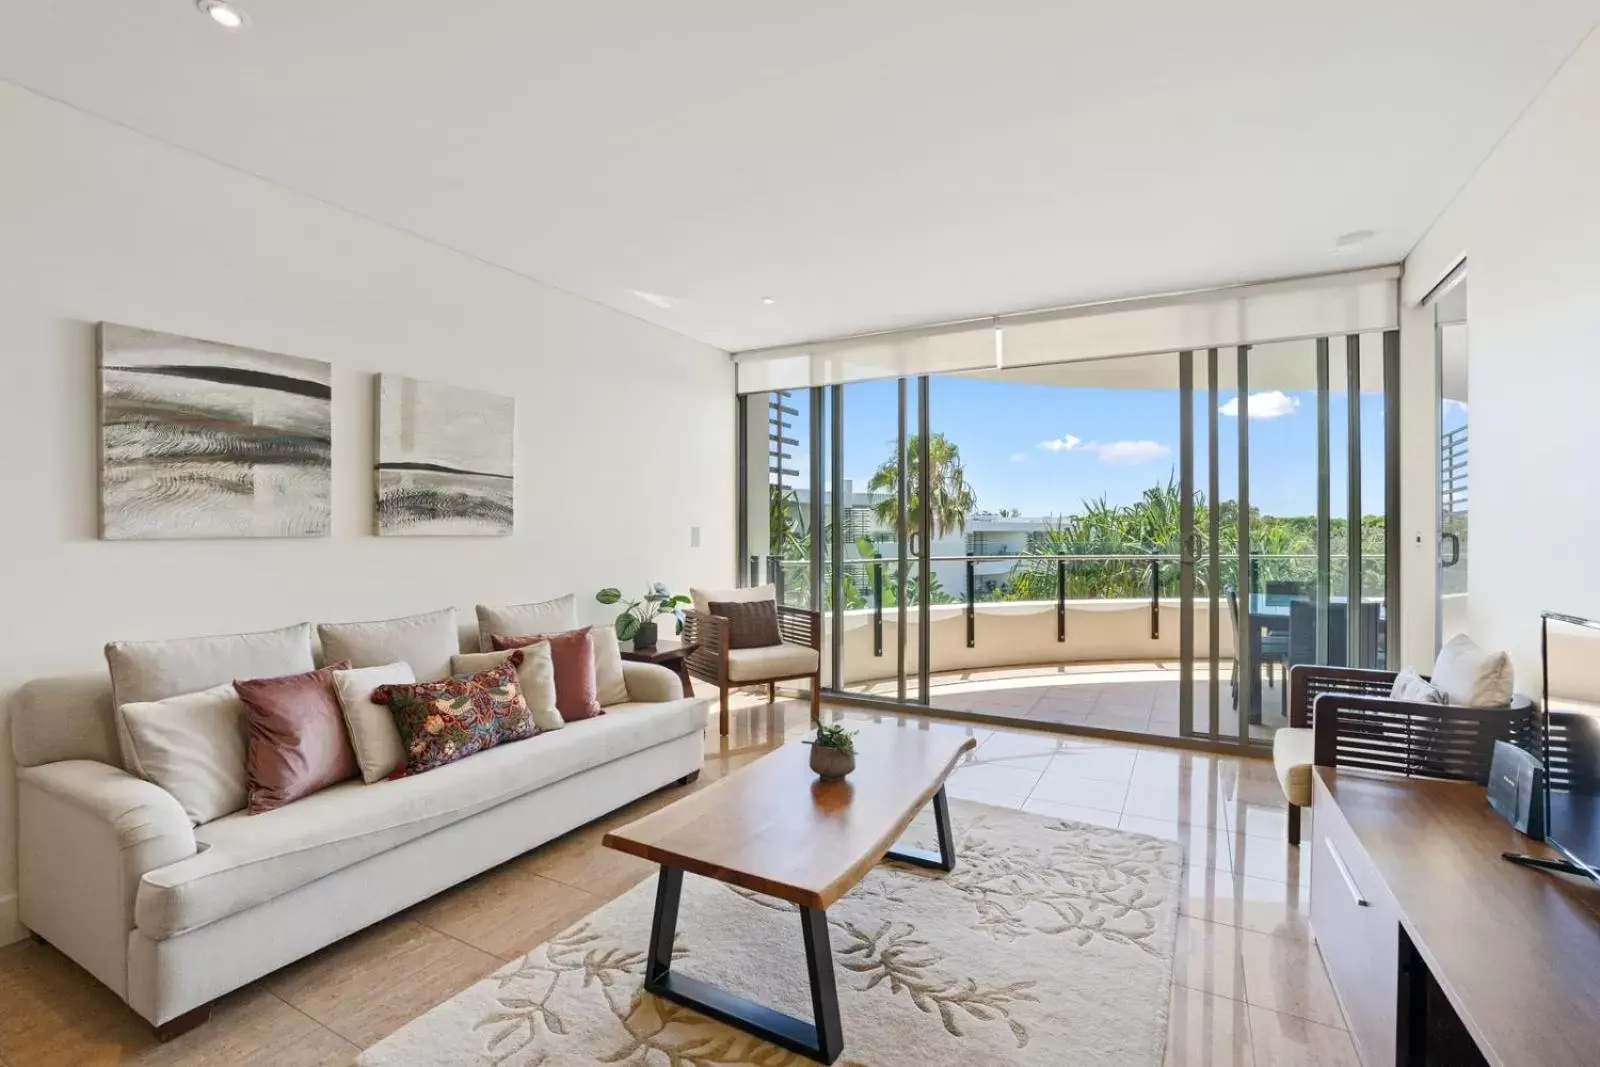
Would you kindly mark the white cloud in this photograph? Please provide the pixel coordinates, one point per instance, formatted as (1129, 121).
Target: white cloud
(1061, 444)
(1116, 453)
(1019, 457)
(1269, 405)
(1128, 453)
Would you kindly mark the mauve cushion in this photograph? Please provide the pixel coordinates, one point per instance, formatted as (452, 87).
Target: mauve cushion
(572, 656)
(298, 743)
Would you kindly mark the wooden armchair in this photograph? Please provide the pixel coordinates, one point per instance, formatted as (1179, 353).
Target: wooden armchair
(709, 657)
(1344, 717)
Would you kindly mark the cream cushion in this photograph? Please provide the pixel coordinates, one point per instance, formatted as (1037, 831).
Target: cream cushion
(373, 734)
(702, 599)
(426, 641)
(526, 620)
(536, 675)
(193, 746)
(770, 662)
(610, 688)
(1293, 749)
(250, 859)
(1472, 677)
(154, 670)
(1410, 686)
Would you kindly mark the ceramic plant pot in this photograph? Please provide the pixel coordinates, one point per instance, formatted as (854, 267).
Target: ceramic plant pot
(645, 636)
(832, 762)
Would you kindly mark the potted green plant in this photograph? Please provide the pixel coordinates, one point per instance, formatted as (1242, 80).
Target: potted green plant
(833, 751)
(637, 620)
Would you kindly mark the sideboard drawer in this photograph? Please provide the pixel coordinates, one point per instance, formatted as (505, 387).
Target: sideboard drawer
(1357, 926)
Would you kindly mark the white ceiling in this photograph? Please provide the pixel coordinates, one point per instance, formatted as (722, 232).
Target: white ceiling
(865, 164)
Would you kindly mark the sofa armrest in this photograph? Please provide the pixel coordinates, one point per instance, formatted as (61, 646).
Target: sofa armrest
(651, 683)
(1308, 681)
(87, 833)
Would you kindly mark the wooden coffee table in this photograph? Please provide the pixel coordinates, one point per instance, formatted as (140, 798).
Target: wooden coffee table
(775, 828)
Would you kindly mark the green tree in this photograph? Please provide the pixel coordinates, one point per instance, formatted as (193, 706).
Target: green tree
(952, 498)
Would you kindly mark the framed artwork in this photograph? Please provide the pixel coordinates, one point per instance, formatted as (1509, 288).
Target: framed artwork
(206, 440)
(445, 460)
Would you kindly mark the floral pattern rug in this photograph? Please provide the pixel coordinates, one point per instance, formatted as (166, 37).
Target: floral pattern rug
(1051, 943)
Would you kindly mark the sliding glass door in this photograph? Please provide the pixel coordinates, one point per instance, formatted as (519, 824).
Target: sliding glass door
(1136, 545)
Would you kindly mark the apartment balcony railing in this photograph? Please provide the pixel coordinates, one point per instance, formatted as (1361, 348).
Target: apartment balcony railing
(1079, 607)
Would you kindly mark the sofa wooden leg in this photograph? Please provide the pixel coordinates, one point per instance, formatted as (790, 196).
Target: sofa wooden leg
(1294, 824)
(772, 692)
(724, 712)
(690, 778)
(38, 939)
(816, 699)
(184, 1023)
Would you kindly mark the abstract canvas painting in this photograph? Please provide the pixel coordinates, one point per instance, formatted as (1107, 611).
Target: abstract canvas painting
(445, 459)
(207, 440)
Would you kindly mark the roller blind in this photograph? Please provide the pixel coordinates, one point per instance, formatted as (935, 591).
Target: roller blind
(963, 346)
(1324, 306)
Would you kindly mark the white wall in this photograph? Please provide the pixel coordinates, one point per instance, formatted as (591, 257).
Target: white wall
(98, 223)
(1529, 226)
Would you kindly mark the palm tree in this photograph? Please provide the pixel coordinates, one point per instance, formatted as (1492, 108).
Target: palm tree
(952, 500)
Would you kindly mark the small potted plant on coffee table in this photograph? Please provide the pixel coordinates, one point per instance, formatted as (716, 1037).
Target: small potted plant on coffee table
(638, 618)
(833, 751)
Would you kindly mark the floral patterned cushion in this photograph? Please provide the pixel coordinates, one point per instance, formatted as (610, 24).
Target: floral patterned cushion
(441, 722)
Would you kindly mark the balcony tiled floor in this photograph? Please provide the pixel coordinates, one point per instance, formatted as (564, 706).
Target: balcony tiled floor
(1134, 698)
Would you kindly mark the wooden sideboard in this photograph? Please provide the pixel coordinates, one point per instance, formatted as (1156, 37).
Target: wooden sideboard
(1442, 952)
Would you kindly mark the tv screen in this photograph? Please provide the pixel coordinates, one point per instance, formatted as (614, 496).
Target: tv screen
(1572, 738)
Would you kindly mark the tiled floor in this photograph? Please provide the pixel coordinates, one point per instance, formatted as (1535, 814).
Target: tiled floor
(1249, 986)
(1140, 698)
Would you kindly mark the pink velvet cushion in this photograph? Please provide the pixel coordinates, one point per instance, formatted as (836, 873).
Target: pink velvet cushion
(572, 655)
(297, 739)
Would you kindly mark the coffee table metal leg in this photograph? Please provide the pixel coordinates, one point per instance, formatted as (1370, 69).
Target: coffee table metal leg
(945, 858)
(821, 1041)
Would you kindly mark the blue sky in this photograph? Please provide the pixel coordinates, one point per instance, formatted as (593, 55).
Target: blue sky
(1044, 449)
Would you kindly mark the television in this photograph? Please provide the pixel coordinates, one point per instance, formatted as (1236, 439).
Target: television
(1569, 646)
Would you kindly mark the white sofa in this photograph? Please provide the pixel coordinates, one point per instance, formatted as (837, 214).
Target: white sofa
(171, 916)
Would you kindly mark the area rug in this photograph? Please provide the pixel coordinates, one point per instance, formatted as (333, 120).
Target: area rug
(1051, 943)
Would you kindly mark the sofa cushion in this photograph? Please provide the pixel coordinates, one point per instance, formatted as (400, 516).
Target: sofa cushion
(541, 617)
(1292, 752)
(154, 670)
(773, 661)
(572, 653)
(250, 859)
(444, 722)
(536, 674)
(751, 624)
(373, 734)
(425, 641)
(609, 687)
(298, 742)
(1471, 676)
(702, 598)
(1413, 688)
(192, 745)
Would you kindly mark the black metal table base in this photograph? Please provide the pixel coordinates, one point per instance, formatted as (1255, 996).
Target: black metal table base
(821, 1040)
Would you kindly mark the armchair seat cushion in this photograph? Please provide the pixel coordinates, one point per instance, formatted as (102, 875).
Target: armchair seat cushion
(1292, 753)
(772, 662)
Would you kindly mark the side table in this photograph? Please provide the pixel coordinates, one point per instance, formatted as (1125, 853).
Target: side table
(666, 652)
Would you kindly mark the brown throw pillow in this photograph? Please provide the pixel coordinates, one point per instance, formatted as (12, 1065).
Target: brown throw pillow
(441, 722)
(572, 656)
(751, 623)
(297, 740)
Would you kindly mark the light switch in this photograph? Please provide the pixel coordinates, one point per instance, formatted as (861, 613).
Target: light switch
(694, 537)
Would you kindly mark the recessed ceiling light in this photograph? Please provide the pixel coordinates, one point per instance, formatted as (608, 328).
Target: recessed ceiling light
(1349, 242)
(222, 13)
(769, 300)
